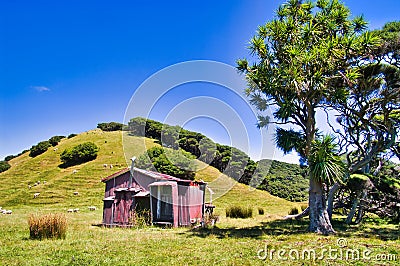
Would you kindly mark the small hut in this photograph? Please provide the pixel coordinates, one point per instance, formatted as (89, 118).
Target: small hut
(172, 201)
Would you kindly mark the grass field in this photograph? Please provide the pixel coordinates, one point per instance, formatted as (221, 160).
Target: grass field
(231, 242)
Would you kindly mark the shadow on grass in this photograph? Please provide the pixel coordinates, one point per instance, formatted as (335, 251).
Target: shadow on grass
(276, 227)
(368, 229)
(294, 227)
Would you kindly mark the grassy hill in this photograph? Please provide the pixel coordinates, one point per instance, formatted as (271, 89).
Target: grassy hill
(61, 183)
(57, 185)
(232, 242)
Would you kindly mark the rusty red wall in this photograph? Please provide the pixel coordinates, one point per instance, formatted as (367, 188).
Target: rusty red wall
(114, 183)
(123, 207)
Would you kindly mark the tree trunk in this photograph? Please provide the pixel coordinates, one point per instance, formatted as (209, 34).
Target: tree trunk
(319, 218)
(331, 196)
(361, 206)
(360, 214)
(353, 210)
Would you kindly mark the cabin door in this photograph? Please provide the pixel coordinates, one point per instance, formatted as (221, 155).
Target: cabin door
(164, 206)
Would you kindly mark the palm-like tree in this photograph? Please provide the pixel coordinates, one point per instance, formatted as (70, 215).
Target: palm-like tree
(325, 164)
(325, 167)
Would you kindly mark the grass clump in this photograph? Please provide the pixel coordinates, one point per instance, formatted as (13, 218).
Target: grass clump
(47, 226)
(140, 219)
(239, 212)
(293, 211)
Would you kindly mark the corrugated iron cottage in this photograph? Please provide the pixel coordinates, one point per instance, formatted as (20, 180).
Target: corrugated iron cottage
(171, 200)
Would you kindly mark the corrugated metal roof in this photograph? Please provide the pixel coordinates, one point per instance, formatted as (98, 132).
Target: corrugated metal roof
(142, 194)
(152, 174)
(123, 171)
(163, 183)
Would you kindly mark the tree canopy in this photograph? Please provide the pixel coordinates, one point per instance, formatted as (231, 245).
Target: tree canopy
(178, 163)
(298, 59)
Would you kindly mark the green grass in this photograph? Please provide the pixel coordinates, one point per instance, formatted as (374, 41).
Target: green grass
(226, 244)
(231, 242)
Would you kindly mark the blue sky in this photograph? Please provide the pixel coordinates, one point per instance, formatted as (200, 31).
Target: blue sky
(67, 65)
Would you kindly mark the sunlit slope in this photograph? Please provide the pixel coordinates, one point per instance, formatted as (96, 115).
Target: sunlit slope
(60, 184)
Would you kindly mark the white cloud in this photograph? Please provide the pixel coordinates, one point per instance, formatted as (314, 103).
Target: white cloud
(40, 88)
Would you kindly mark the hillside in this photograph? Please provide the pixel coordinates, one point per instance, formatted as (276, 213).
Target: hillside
(284, 180)
(57, 185)
(61, 183)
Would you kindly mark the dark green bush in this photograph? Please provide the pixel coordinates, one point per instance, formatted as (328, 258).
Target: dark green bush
(293, 211)
(55, 140)
(4, 166)
(112, 126)
(9, 157)
(40, 148)
(177, 163)
(72, 135)
(47, 226)
(239, 212)
(79, 154)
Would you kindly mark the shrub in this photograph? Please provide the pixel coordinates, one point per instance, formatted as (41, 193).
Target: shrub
(112, 126)
(293, 211)
(239, 212)
(72, 135)
(178, 163)
(9, 157)
(141, 218)
(303, 207)
(55, 140)
(47, 226)
(40, 148)
(79, 154)
(260, 211)
(4, 166)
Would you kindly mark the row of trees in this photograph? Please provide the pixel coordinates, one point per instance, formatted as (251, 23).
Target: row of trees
(226, 159)
(111, 126)
(314, 58)
(42, 146)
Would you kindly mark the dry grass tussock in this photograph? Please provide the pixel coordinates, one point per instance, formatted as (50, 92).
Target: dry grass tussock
(47, 226)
